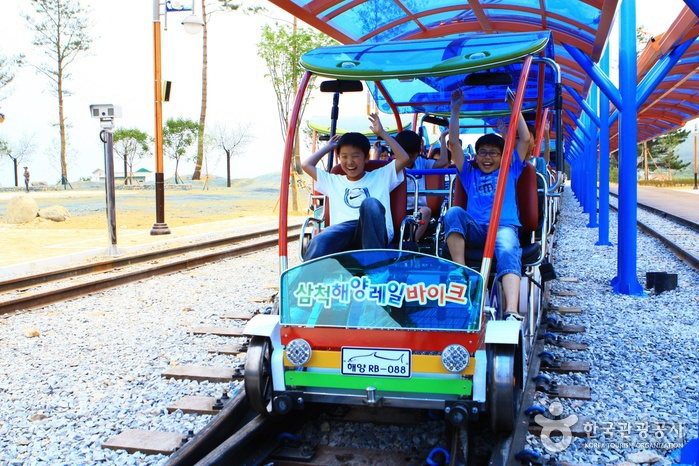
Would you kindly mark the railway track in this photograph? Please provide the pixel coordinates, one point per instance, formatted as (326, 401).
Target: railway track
(25, 293)
(671, 230)
(257, 440)
(294, 440)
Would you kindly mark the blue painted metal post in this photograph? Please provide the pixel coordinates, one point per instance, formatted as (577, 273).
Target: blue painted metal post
(693, 5)
(626, 281)
(592, 162)
(604, 160)
(585, 164)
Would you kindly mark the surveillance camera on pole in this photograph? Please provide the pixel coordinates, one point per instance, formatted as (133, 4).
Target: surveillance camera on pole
(106, 114)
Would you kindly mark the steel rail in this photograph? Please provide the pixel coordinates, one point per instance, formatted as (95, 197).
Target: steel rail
(673, 247)
(119, 262)
(654, 210)
(74, 291)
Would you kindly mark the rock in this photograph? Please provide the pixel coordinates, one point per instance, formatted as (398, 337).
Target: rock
(642, 457)
(21, 209)
(31, 332)
(56, 213)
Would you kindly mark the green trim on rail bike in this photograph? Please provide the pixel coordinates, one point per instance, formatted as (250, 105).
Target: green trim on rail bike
(453, 386)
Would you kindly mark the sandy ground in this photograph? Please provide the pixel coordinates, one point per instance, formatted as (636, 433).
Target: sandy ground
(188, 213)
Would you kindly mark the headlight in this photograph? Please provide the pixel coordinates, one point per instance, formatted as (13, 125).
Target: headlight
(298, 352)
(455, 358)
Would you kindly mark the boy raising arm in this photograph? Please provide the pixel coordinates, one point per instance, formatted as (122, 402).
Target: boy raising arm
(470, 227)
(359, 201)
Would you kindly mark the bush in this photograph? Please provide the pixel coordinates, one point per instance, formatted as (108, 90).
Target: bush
(680, 182)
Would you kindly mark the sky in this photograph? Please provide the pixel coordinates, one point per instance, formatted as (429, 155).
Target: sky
(118, 70)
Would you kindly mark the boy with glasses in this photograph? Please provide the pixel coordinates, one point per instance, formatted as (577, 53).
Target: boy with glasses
(469, 228)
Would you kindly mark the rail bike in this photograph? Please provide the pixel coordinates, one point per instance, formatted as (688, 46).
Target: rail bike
(408, 327)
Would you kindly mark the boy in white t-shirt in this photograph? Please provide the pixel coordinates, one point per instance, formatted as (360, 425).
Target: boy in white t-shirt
(360, 207)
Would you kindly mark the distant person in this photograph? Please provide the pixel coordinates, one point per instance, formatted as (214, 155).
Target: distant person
(379, 152)
(360, 203)
(539, 161)
(412, 143)
(26, 178)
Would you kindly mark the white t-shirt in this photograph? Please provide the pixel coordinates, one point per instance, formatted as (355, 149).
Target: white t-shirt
(421, 163)
(346, 196)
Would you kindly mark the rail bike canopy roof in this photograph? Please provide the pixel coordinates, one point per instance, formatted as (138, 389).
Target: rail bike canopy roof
(353, 123)
(418, 76)
(675, 100)
(584, 24)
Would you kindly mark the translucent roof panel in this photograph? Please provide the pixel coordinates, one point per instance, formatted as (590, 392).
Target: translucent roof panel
(420, 75)
(675, 101)
(585, 24)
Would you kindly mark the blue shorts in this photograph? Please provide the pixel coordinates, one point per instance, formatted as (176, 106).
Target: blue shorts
(508, 253)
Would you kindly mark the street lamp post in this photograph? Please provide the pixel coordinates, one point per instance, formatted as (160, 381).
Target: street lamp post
(192, 25)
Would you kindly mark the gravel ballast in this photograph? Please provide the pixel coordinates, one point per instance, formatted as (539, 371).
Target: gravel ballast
(643, 351)
(75, 374)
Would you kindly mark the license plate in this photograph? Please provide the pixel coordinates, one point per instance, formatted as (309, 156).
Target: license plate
(376, 362)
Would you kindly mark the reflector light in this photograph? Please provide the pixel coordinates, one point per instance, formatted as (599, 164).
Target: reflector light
(298, 352)
(455, 358)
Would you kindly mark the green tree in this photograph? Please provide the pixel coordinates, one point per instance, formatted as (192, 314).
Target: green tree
(232, 141)
(662, 152)
(224, 5)
(19, 152)
(178, 136)
(642, 38)
(8, 68)
(61, 30)
(281, 47)
(131, 144)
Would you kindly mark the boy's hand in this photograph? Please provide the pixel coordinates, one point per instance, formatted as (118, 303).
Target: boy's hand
(502, 127)
(333, 141)
(443, 135)
(547, 134)
(457, 98)
(376, 126)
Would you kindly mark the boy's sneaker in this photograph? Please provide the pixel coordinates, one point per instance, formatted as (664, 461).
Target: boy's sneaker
(515, 317)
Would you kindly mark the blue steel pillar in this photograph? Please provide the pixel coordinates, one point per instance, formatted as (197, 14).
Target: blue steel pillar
(604, 159)
(592, 162)
(585, 163)
(626, 281)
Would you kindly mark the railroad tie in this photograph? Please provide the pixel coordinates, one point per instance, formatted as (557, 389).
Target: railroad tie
(149, 442)
(203, 373)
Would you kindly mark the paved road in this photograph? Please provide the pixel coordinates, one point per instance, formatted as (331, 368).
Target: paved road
(681, 202)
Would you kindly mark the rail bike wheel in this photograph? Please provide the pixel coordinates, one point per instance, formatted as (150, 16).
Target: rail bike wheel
(502, 395)
(258, 375)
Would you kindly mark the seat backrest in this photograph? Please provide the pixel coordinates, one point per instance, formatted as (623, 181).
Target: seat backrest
(399, 200)
(460, 196)
(527, 198)
(434, 202)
